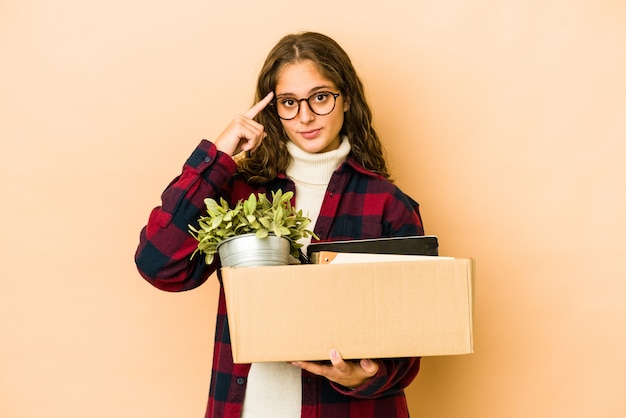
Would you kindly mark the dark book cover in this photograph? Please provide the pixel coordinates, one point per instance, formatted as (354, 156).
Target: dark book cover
(413, 245)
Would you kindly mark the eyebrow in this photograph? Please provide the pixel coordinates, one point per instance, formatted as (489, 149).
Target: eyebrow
(312, 91)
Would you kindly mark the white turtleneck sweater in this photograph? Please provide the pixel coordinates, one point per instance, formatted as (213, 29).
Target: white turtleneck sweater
(274, 390)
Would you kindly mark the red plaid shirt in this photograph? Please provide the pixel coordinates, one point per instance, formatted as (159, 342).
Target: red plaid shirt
(357, 204)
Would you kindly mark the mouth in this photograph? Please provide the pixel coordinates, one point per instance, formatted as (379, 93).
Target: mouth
(311, 134)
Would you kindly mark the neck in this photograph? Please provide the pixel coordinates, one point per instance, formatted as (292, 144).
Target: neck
(316, 168)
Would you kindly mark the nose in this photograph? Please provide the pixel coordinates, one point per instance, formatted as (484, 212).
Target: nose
(305, 113)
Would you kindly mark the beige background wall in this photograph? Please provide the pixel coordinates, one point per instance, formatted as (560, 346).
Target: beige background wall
(505, 119)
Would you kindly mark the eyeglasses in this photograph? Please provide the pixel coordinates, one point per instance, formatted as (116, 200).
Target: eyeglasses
(320, 103)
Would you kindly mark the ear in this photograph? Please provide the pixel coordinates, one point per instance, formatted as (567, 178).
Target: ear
(346, 104)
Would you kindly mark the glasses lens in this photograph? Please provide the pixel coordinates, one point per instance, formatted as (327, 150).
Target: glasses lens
(287, 108)
(322, 103)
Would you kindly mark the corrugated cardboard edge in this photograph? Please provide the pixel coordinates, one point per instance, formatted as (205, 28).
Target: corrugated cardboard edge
(471, 273)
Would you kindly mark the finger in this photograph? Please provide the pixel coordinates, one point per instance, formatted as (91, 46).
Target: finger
(256, 109)
(369, 367)
(337, 360)
(257, 144)
(312, 367)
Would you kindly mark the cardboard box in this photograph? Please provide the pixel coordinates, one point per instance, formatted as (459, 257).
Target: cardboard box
(364, 310)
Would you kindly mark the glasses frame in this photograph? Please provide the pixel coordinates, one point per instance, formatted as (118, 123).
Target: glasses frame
(306, 99)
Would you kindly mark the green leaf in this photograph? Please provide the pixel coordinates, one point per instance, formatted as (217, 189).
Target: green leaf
(286, 198)
(249, 205)
(264, 203)
(217, 221)
(278, 215)
(208, 258)
(266, 222)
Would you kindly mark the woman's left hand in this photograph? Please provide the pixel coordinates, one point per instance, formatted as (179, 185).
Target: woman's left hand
(350, 374)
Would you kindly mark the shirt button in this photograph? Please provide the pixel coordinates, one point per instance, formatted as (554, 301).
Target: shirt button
(308, 380)
(207, 159)
(241, 381)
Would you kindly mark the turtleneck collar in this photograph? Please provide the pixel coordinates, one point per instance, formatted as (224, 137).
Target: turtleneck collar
(316, 168)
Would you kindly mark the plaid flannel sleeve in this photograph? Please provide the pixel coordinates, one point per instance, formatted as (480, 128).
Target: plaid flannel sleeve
(165, 244)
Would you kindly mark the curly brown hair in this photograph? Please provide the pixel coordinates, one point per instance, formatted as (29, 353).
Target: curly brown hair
(333, 62)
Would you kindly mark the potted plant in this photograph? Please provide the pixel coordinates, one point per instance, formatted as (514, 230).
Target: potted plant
(262, 232)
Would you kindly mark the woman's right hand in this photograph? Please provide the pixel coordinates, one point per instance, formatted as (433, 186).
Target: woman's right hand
(243, 133)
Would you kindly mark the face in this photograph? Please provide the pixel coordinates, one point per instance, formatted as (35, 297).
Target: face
(310, 132)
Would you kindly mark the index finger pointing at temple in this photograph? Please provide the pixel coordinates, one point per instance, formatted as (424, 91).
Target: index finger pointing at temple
(257, 108)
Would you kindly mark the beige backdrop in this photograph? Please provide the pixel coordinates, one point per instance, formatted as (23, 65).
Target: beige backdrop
(505, 119)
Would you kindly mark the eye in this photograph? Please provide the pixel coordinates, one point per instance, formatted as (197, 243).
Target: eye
(287, 102)
(321, 97)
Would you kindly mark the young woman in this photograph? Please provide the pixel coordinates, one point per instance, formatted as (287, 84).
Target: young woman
(310, 132)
